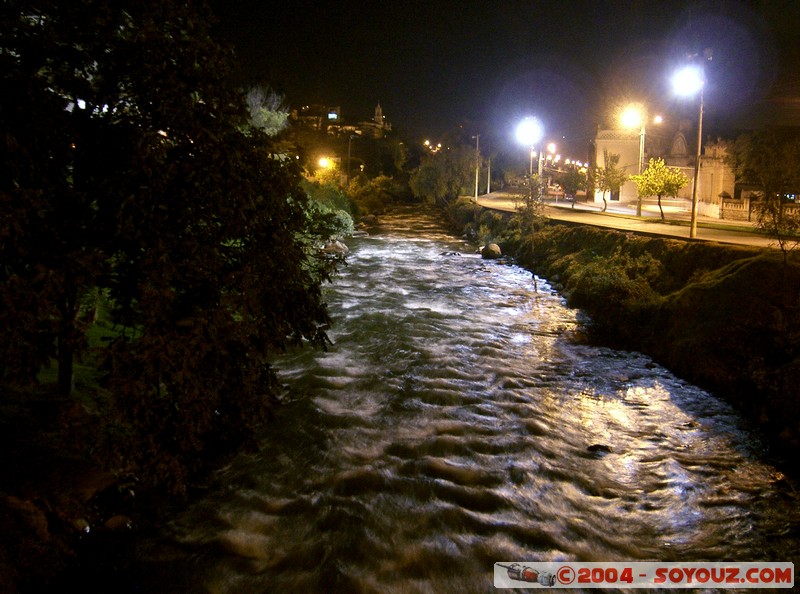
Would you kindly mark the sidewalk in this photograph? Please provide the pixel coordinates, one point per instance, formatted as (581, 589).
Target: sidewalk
(674, 210)
(623, 217)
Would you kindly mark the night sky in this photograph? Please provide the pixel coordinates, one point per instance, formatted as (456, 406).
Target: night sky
(486, 64)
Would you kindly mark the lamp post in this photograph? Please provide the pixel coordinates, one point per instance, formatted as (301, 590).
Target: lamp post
(477, 138)
(633, 117)
(349, 142)
(529, 132)
(688, 81)
(349, 147)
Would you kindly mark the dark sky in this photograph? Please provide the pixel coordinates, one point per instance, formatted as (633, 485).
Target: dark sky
(486, 64)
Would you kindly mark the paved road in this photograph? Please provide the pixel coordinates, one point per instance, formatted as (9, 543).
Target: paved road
(622, 218)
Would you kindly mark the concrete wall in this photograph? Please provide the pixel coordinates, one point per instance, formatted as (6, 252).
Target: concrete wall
(625, 144)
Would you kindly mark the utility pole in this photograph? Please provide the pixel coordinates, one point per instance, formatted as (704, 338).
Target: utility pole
(349, 142)
(693, 222)
(477, 138)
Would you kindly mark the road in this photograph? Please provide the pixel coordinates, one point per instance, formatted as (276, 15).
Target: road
(623, 218)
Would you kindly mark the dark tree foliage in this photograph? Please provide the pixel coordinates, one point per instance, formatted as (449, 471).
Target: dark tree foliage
(768, 161)
(441, 177)
(126, 168)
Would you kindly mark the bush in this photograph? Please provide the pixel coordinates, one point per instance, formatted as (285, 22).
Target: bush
(611, 290)
(330, 196)
(462, 215)
(374, 195)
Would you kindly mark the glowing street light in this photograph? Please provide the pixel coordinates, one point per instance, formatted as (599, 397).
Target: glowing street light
(325, 162)
(689, 81)
(634, 116)
(529, 132)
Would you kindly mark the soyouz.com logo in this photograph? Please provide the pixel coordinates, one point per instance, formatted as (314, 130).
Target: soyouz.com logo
(517, 574)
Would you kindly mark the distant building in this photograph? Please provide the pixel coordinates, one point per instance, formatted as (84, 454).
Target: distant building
(715, 178)
(317, 117)
(378, 126)
(625, 144)
(330, 120)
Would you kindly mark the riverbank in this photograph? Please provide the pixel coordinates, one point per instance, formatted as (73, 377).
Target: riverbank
(673, 300)
(458, 419)
(722, 316)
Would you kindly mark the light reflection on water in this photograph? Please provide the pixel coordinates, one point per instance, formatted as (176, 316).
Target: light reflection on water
(456, 422)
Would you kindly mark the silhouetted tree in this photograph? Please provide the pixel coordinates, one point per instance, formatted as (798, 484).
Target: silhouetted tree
(443, 175)
(768, 159)
(609, 178)
(572, 180)
(126, 167)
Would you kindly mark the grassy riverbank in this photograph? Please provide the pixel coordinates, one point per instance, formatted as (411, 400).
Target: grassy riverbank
(724, 317)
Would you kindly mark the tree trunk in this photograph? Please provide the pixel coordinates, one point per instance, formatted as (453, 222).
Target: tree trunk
(66, 339)
(65, 364)
(661, 209)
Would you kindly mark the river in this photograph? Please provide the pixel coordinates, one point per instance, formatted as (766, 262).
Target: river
(459, 420)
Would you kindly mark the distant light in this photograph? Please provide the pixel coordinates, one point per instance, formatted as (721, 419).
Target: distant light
(688, 80)
(325, 162)
(529, 131)
(658, 119)
(551, 147)
(632, 116)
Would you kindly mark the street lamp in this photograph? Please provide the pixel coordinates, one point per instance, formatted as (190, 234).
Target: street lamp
(633, 117)
(529, 132)
(688, 81)
(552, 157)
(349, 143)
(477, 138)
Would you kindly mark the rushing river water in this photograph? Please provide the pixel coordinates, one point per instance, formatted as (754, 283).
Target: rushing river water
(457, 421)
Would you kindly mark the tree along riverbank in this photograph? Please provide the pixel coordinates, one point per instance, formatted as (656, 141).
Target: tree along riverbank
(724, 317)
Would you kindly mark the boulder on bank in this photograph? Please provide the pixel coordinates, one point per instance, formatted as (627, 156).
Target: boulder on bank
(491, 251)
(336, 248)
(369, 220)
